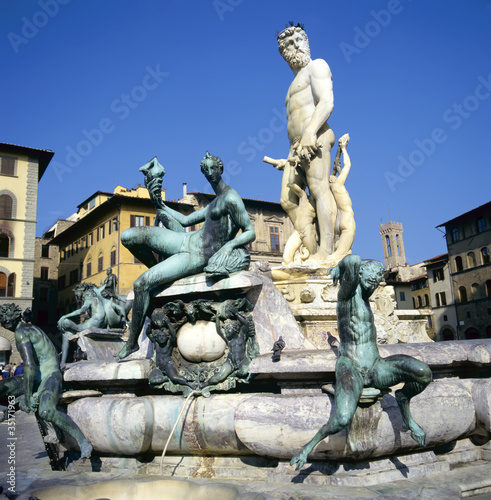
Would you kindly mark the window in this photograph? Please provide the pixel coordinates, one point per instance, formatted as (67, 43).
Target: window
(61, 282)
(485, 255)
(6, 206)
(113, 258)
(398, 246)
(445, 317)
(467, 314)
(420, 302)
(43, 294)
(462, 294)
(3, 285)
(11, 285)
(488, 288)
(389, 250)
(438, 274)
(73, 276)
(4, 245)
(91, 239)
(274, 235)
(92, 203)
(427, 300)
(7, 166)
(440, 299)
(45, 251)
(89, 269)
(45, 273)
(475, 291)
(471, 259)
(402, 296)
(481, 225)
(455, 235)
(139, 220)
(7, 285)
(115, 224)
(458, 263)
(430, 322)
(100, 263)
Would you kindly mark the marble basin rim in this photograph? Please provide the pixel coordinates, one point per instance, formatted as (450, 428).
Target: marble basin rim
(165, 489)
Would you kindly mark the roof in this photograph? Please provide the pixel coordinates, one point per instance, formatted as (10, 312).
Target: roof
(436, 260)
(471, 213)
(43, 155)
(114, 199)
(97, 193)
(422, 276)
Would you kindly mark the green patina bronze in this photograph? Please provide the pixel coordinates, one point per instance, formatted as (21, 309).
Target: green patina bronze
(359, 364)
(40, 388)
(215, 248)
(103, 312)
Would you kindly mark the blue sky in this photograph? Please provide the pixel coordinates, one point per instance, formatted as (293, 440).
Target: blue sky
(108, 85)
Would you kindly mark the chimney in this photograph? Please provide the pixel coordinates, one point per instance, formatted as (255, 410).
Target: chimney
(184, 189)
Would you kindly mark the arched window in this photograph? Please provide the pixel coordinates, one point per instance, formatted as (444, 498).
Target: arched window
(6, 203)
(458, 263)
(472, 333)
(414, 304)
(4, 245)
(88, 273)
(476, 291)
(427, 300)
(11, 285)
(462, 294)
(471, 259)
(485, 255)
(447, 334)
(398, 246)
(387, 241)
(420, 302)
(100, 263)
(7, 285)
(3, 285)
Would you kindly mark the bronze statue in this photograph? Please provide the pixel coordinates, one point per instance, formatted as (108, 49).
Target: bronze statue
(359, 363)
(215, 248)
(102, 312)
(40, 388)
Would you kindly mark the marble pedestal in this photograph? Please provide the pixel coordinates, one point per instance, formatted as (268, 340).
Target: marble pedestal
(313, 298)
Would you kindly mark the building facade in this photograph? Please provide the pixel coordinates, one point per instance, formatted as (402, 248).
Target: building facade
(21, 169)
(468, 239)
(441, 297)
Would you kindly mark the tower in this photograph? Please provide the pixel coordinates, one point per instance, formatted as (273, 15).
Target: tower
(393, 244)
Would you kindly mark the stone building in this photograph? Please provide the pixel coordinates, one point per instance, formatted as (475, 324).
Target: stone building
(441, 296)
(468, 239)
(21, 169)
(45, 303)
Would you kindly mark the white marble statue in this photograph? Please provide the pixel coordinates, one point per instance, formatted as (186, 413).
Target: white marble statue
(309, 195)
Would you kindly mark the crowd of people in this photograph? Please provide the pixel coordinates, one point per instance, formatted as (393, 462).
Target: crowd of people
(11, 370)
